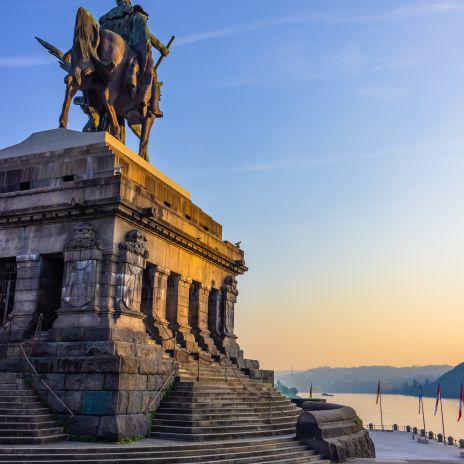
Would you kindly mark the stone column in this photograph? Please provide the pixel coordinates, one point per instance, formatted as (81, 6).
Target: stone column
(133, 261)
(80, 295)
(24, 317)
(178, 311)
(199, 304)
(156, 309)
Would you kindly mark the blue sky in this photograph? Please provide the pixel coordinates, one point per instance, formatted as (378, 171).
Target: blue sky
(324, 134)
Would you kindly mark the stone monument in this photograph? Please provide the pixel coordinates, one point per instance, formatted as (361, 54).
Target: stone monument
(123, 267)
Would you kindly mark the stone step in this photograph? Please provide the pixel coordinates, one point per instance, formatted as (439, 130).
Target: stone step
(26, 425)
(231, 428)
(31, 433)
(38, 418)
(236, 409)
(16, 393)
(24, 412)
(201, 423)
(32, 441)
(245, 415)
(221, 435)
(74, 448)
(241, 458)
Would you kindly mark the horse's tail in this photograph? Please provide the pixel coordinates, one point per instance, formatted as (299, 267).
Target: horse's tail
(86, 42)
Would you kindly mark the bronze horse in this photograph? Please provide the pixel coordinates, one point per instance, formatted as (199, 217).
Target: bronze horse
(104, 67)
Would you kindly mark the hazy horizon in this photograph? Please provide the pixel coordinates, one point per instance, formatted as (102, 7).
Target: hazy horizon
(324, 135)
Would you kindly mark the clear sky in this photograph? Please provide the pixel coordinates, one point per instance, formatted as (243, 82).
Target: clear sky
(327, 135)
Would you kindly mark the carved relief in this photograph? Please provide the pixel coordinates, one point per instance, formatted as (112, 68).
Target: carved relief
(231, 285)
(132, 286)
(135, 243)
(79, 287)
(230, 293)
(81, 267)
(83, 238)
(133, 267)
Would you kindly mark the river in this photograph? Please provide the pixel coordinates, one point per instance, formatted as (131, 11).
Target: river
(402, 410)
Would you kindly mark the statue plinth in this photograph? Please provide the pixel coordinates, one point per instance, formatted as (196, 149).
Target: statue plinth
(121, 264)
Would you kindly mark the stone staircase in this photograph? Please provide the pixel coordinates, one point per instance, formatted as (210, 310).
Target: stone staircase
(224, 404)
(24, 420)
(282, 450)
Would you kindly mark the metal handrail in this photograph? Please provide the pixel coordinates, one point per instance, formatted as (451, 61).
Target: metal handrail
(165, 383)
(45, 383)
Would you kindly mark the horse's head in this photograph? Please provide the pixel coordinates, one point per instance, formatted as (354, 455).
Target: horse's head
(86, 41)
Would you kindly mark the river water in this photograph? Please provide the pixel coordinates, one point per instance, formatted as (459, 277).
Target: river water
(402, 410)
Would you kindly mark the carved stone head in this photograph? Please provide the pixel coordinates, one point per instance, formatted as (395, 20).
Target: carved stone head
(231, 285)
(135, 242)
(84, 237)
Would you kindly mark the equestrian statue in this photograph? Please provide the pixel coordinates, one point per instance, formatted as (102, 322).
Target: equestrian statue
(111, 63)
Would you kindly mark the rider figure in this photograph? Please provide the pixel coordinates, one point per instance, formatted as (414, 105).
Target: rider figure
(131, 23)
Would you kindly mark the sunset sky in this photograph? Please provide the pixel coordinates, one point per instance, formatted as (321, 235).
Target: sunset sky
(326, 135)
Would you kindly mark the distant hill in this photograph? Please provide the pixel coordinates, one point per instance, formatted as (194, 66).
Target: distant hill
(449, 382)
(362, 379)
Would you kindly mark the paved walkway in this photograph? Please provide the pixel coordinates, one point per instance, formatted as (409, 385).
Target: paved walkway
(399, 447)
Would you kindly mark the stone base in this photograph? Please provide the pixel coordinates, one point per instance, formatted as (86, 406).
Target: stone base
(108, 385)
(334, 431)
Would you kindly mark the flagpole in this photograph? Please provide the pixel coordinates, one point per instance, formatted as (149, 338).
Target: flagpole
(423, 416)
(381, 409)
(442, 421)
(421, 405)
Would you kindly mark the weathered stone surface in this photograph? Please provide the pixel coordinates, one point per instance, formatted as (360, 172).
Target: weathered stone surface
(334, 431)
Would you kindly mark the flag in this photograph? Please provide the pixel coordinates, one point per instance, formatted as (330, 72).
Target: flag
(438, 400)
(461, 398)
(378, 394)
(420, 398)
(311, 390)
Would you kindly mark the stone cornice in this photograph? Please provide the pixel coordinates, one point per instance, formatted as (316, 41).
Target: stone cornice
(104, 208)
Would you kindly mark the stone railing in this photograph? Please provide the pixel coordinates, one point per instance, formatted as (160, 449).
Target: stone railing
(334, 431)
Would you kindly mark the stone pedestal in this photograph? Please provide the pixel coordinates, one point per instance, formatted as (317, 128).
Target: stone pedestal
(178, 311)
(81, 215)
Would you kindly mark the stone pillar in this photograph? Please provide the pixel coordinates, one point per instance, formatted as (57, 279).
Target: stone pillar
(222, 318)
(133, 261)
(23, 319)
(80, 295)
(199, 308)
(156, 307)
(178, 311)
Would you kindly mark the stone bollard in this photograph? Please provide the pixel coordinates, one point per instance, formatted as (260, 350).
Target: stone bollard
(431, 436)
(440, 438)
(371, 426)
(414, 430)
(395, 427)
(461, 444)
(450, 441)
(422, 433)
(408, 428)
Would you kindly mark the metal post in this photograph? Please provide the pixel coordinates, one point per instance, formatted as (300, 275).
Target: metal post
(175, 344)
(198, 375)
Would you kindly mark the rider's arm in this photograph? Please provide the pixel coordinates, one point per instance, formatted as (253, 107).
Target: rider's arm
(158, 45)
